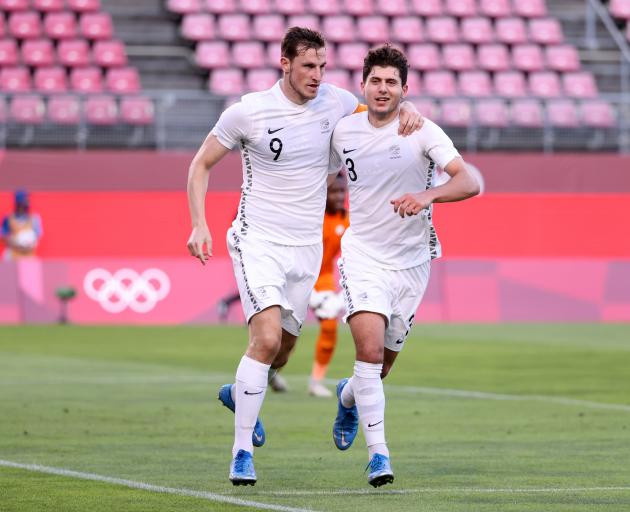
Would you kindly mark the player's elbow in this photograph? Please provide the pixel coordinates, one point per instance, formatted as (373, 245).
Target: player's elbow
(473, 187)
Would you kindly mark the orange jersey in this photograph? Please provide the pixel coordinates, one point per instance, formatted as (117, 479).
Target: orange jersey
(335, 225)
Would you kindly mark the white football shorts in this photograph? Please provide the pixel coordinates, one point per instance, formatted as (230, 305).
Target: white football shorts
(270, 274)
(395, 294)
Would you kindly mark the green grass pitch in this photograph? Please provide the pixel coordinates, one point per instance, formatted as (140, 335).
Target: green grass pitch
(479, 418)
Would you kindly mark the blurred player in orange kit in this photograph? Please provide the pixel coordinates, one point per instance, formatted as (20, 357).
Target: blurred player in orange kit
(325, 301)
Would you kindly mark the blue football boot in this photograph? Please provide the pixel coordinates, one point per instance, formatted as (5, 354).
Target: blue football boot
(242, 469)
(380, 471)
(225, 397)
(346, 423)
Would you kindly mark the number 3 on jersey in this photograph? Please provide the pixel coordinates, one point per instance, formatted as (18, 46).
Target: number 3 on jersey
(352, 174)
(276, 147)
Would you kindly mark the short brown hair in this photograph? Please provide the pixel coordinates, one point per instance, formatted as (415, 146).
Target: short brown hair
(298, 39)
(386, 55)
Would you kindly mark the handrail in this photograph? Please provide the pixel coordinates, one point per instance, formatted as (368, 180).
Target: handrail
(609, 23)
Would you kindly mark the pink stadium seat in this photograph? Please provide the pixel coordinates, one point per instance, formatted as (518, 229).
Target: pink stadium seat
(109, 53)
(527, 113)
(48, 5)
(28, 109)
(351, 55)
(123, 80)
(597, 113)
(562, 113)
(427, 7)
(424, 57)
(439, 84)
(234, 27)
(261, 79)
(248, 54)
(510, 84)
(527, 57)
(407, 29)
(212, 54)
(220, 6)
(373, 29)
(492, 113)
(474, 83)
(14, 5)
(358, 7)
(296, 7)
(493, 57)
(15, 79)
(442, 30)
(60, 25)
(562, 58)
(198, 27)
(64, 109)
(458, 57)
(461, 8)
(339, 29)
(137, 110)
(84, 5)
(580, 84)
(96, 25)
(86, 80)
(545, 31)
(545, 84)
(620, 8)
(355, 81)
(511, 30)
(338, 77)
(392, 7)
(184, 6)
(477, 30)
(427, 107)
(530, 8)
(38, 52)
(8, 52)
(3, 27)
(255, 6)
(324, 7)
(456, 112)
(414, 83)
(25, 25)
(304, 20)
(495, 8)
(101, 110)
(50, 79)
(269, 27)
(73, 52)
(227, 82)
(273, 54)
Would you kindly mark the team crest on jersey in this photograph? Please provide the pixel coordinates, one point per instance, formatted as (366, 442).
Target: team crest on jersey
(394, 152)
(324, 125)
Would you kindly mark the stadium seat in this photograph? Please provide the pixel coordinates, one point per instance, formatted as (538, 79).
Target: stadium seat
(109, 53)
(562, 57)
(358, 7)
(338, 77)
(227, 82)
(60, 25)
(456, 112)
(530, 8)
(477, 30)
(100, 110)
(137, 110)
(545, 31)
(25, 25)
(492, 112)
(407, 29)
(580, 84)
(620, 9)
(495, 8)
(212, 54)
(373, 29)
(510, 84)
(64, 109)
(424, 57)
(295, 7)
(304, 20)
(274, 52)
(84, 5)
(50, 79)
(8, 52)
(356, 78)
(248, 54)
(234, 27)
(392, 7)
(474, 83)
(38, 52)
(461, 8)
(544, 84)
(27, 109)
(331, 57)
(48, 5)
(14, 5)
(527, 57)
(73, 52)
(439, 84)
(414, 83)
(255, 6)
(123, 80)
(427, 7)
(269, 27)
(510, 30)
(339, 29)
(184, 6)
(86, 80)
(15, 79)
(3, 27)
(458, 57)
(260, 79)
(598, 114)
(198, 27)
(493, 57)
(324, 7)
(442, 30)
(96, 25)
(526, 113)
(427, 107)
(351, 55)
(562, 113)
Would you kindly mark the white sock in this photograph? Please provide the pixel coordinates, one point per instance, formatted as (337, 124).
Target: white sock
(347, 394)
(370, 399)
(251, 386)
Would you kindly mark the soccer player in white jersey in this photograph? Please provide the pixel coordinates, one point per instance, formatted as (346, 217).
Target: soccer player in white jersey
(386, 251)
(275, 242)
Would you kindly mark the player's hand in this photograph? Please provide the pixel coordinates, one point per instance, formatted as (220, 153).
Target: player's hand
(410, 120)
(411, 204)
(199, 238)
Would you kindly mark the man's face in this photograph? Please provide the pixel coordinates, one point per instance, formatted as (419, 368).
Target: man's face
(383, 90)
(304, 73)
(336, 197)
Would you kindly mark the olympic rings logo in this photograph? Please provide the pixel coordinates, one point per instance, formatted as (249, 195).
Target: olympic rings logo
(127, 289)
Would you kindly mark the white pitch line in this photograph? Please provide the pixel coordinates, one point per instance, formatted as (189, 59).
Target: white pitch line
(210, 496)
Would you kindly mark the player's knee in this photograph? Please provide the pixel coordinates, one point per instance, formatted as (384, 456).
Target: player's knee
(265, 343)
(370, 354)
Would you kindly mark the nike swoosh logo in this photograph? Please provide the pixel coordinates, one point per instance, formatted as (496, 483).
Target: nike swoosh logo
(248, 393)
(270, 131)
(346, 151)
(374, 424)
(343, 440)
(257, 437)
(398, 342)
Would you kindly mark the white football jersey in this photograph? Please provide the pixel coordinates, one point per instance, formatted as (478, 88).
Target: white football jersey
(285, 149)
(381, 166)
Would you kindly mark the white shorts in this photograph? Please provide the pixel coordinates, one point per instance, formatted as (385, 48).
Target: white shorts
(270, 274)
(395, 294)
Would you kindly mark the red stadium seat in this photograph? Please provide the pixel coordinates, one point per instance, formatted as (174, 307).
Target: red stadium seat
(407, 29)
(25, 25)
(493, 57)
(511, 30)
(562, 113)
(439, 84)
(527, 57)
(84, 5)
(137, 110)
(64, 110)
(123, 80)
(510, 84)
(324, 7)
(458, 57)
(101, 110)
(255, 6)
(427, 7)
(86, 80)
(392, 7)
(234, 27)
(373, 29)
(414, 83)
(339, 29)
(109, 53)
(442, 30)
(212, 54)
(456, 112)
(338, 77)
(461, 8)
(580, 84)
(184, 6)
(269, 27)
(48, 5)
(15, 79)
(261, 79)
(563, 57)
(198, 27)
(477, 30)
(50, 79)
(545, 84)
(545, 31)
(424, 57)
(358, 7)
(495, 8)
(60, 25)
(493, 113)
(474, 83)
(273, 54)
(351, 55)
(38, 52)
(28, 109)
(248, 54)
(290, 7)
(73, 52)
(427, 107)
(598, 114)
(620, 8)
(8, 52)
(530, 8)
(527, 113)
(227, 82)
(97, 25)
(304, 20)
(14, 5)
